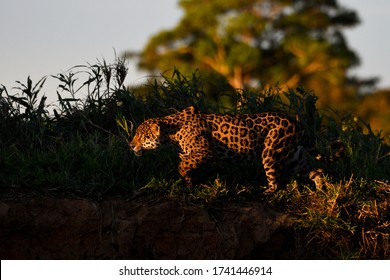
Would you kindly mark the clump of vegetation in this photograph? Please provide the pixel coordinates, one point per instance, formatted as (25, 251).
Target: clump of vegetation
(78, 147)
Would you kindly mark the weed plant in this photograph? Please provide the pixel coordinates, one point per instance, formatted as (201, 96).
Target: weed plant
(79, 147)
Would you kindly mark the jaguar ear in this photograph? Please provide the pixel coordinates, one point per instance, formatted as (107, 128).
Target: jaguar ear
(155, 128)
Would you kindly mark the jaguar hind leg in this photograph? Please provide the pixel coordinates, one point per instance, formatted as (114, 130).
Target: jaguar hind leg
(274, 156)
(272, 181)
(276, 178)
(271, 170)
(317, 176)
(302, 165)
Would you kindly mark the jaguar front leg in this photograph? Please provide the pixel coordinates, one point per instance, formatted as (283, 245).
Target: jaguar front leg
(195, 151)
(187, 164)
(184, 169)
(190, 163)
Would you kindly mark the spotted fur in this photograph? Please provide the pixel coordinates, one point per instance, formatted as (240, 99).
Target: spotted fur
(278, 141)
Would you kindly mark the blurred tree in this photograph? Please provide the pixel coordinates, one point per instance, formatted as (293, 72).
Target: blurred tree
(246, 42)
(374, 109)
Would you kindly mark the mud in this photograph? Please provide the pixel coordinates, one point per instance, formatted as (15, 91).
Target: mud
(50, 228)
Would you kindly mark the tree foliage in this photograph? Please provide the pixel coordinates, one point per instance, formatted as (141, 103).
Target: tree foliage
(374, 109)
(246, 42)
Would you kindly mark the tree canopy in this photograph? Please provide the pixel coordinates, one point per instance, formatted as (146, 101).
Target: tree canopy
(247, 42)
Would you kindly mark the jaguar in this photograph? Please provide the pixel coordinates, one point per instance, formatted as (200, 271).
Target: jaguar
(278, 141)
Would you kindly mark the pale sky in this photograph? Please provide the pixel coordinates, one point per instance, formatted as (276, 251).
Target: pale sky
(46, 37)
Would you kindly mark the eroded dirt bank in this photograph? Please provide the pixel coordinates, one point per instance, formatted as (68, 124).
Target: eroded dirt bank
(48, 228)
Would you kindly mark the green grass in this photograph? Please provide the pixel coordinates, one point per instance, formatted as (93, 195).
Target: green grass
(79, 148)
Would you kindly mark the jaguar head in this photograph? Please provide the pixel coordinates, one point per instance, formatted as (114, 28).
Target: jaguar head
(147, 137)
